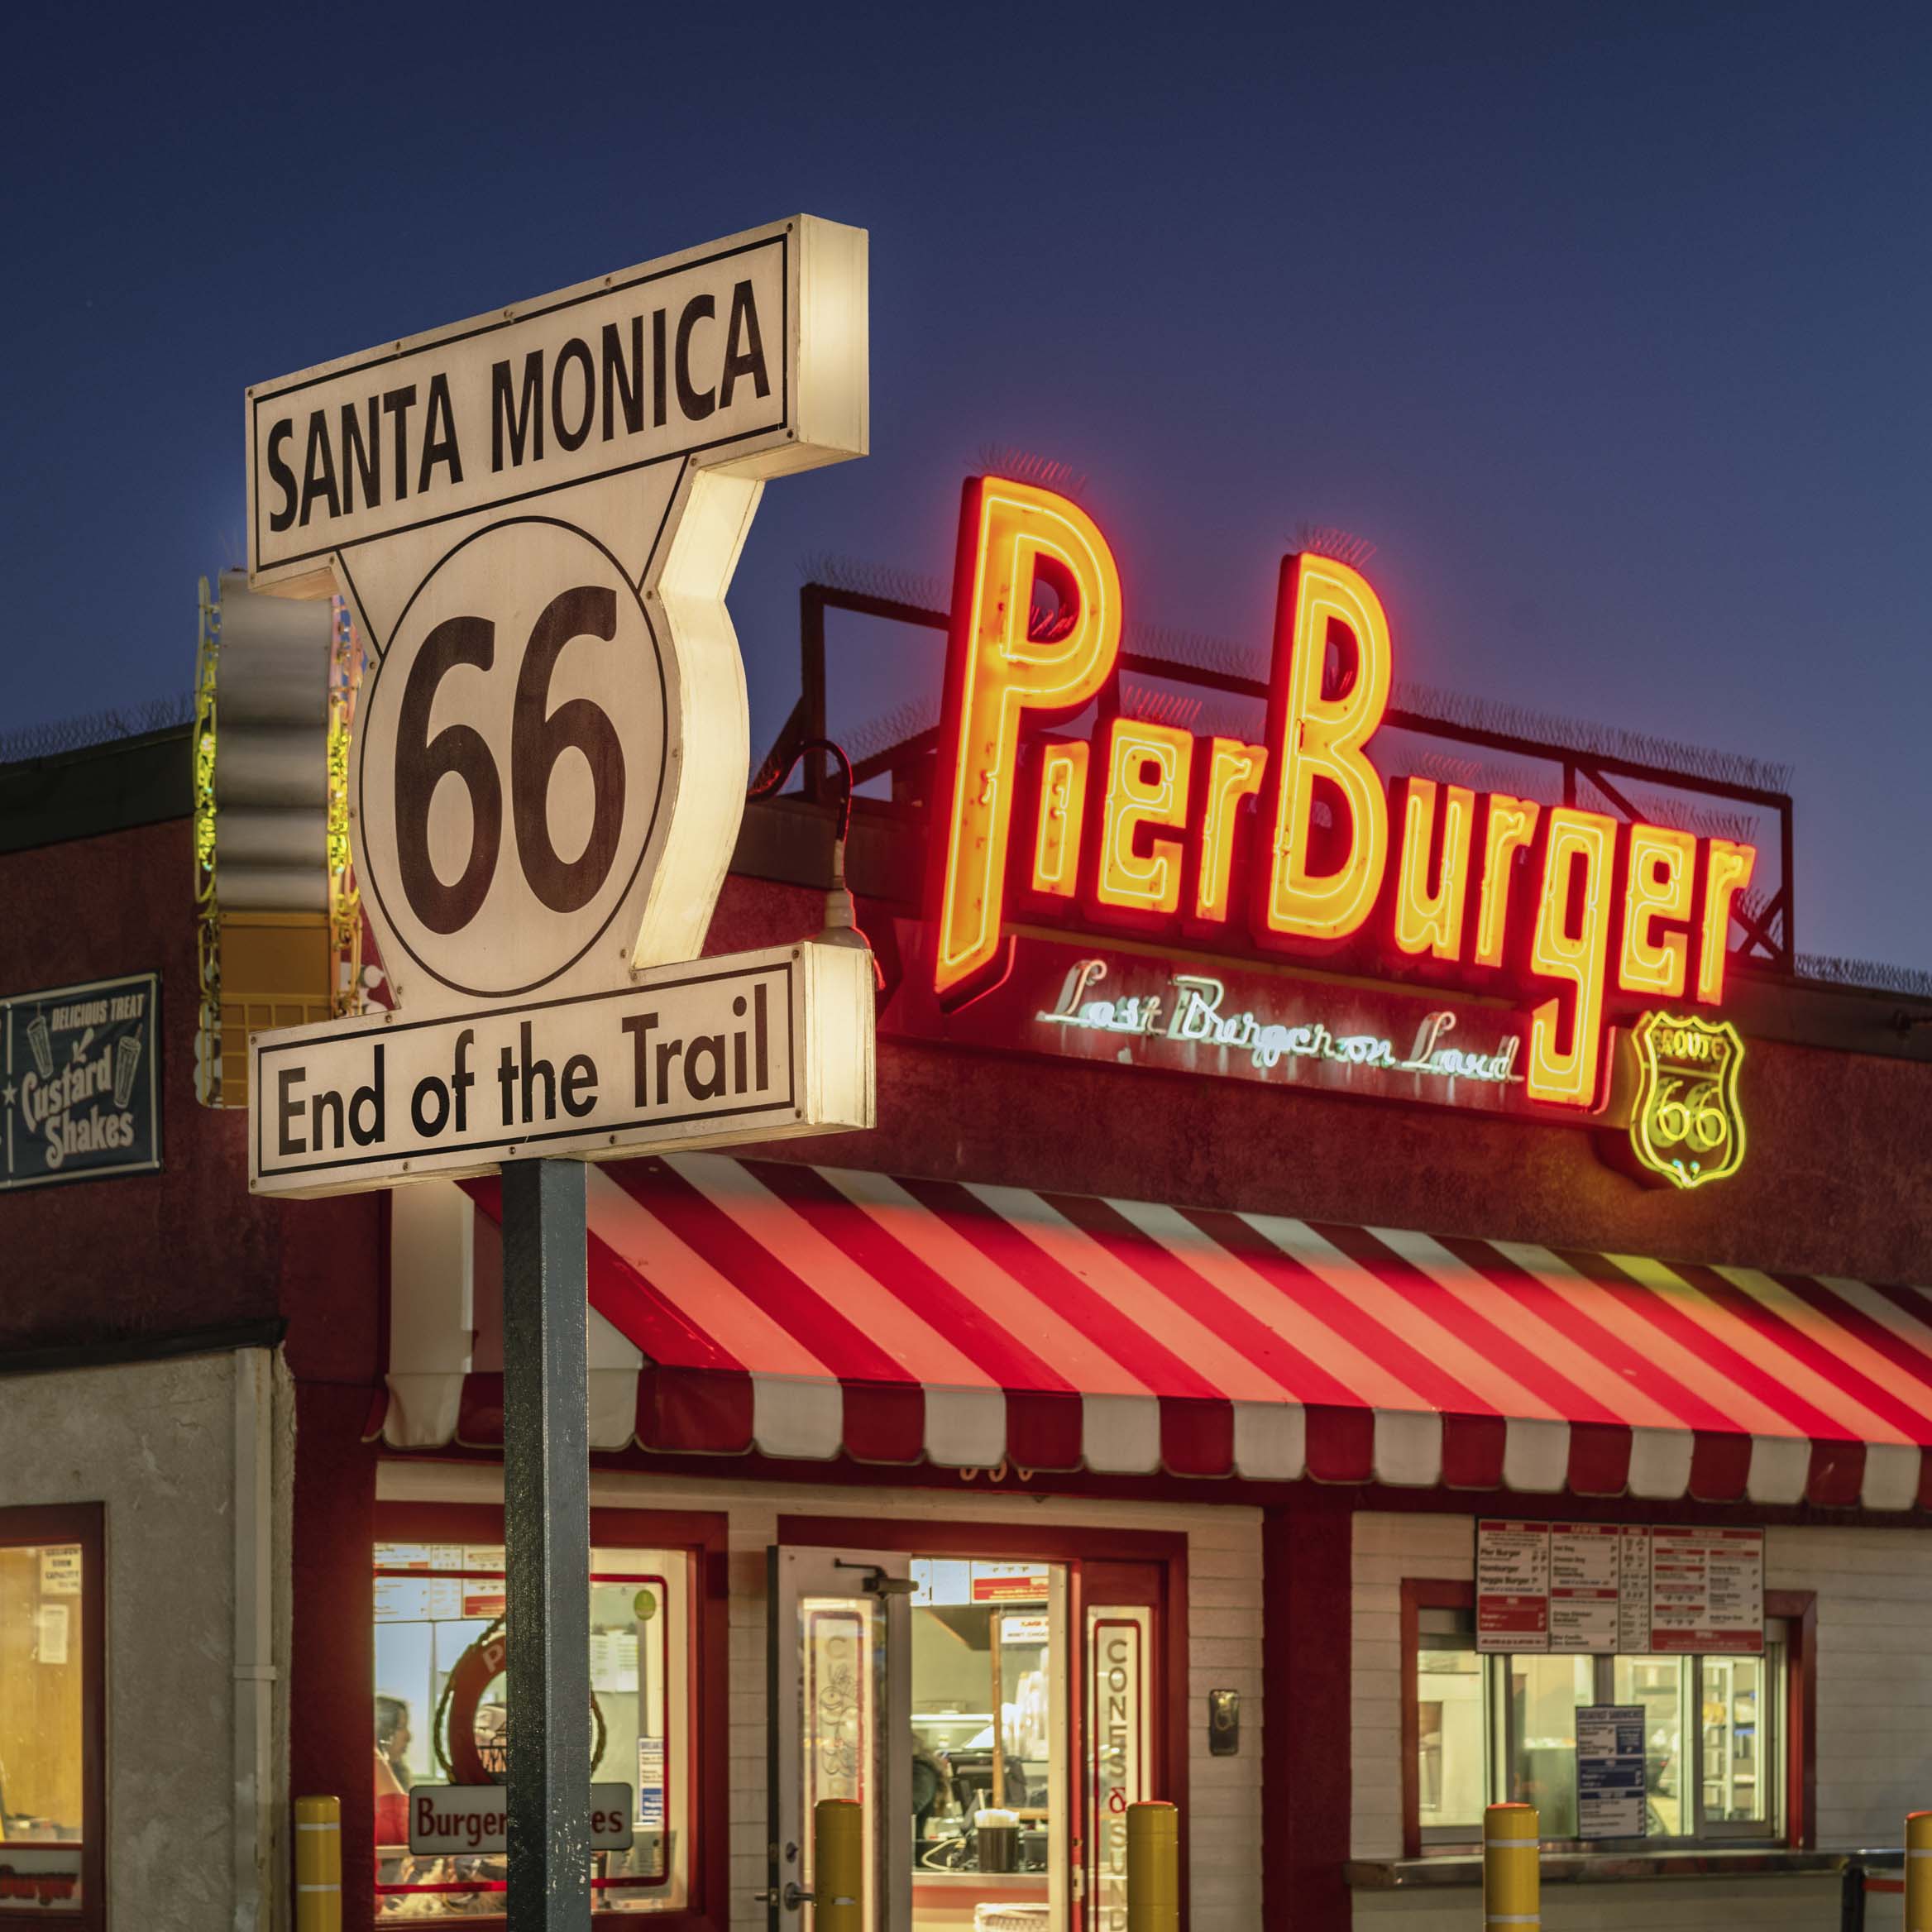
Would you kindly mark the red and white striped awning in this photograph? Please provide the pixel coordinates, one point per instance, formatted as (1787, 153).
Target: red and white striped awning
(816, 1312)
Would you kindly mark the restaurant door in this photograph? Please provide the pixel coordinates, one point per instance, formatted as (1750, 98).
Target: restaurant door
(949, 1695)
(840, 1677)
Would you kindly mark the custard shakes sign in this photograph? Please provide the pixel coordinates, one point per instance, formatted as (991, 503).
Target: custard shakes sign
(534, 515)
(1291, 846)
(79, 1094)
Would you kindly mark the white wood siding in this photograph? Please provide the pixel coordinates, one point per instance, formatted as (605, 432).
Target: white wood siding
(1388, 1549)
(1874, 1672)
(1224, 1642)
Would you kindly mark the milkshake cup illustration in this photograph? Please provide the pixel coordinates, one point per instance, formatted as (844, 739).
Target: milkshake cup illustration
(41, 1040)
(126, 1059)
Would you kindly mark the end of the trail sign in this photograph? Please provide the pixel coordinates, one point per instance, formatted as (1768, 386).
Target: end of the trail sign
(534, 516)
(754, 1046)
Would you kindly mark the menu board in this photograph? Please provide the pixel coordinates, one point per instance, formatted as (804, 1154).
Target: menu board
(1707, 1589)
(1584, 1597)
(1009, 1583)
(1512, 1585)
(484, 1591)
(1634, 1591)
(1604, 1588)
(475, 1593)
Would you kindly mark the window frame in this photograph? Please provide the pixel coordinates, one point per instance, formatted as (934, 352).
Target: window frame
(703, 1534)
(1796, 1690)
(84, 1524)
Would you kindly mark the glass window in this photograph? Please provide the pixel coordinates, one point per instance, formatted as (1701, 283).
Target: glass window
(44, 1775)
(1489, 1728)
(1541, 1766)
(989, 1774)
(441, 1719)
(1739, 1775)
(1450, 1785)
(840, 1640)
(1658, 1683)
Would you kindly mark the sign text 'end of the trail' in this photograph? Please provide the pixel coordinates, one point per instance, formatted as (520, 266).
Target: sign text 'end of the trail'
(750, 1046)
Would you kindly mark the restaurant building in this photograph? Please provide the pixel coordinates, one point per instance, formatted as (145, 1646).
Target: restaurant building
(1310, 1383)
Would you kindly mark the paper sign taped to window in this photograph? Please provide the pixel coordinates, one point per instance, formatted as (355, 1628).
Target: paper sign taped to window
(60, 1570)
(1610, 1791)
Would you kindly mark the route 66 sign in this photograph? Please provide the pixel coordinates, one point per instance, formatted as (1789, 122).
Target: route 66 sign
(1685, 1123)
(534, 515)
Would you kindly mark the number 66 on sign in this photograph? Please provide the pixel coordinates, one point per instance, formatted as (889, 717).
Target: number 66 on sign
(1686, 1124)
(535, 515)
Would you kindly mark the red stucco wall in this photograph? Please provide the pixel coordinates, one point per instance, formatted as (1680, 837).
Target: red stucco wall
(188, 1247)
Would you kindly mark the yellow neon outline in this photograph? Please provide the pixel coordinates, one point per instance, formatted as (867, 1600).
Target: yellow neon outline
(1727, 867)
(1651, 1073)
(982, 804)
(1123, 878)
(1509, 825)
(1659, 880)
(1235, 771)
(1063, 817)
(1323, 738)
(1426, 922)
(1570, 1079)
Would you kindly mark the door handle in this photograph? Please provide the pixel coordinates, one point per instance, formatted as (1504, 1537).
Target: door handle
(794, 1895)
(877, 1582)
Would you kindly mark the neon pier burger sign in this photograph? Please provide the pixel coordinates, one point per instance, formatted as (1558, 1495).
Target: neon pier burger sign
(1294, 846)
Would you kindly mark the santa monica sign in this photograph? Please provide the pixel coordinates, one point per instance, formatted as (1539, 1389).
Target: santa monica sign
(535, 515)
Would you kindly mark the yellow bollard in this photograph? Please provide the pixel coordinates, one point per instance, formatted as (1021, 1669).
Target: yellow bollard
(1153, 1868)
(318, 1865)
(1512, 1878)
(837, 1865)
(1918, 1872)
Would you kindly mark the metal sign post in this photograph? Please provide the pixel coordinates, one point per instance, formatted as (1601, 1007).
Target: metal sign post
(547, 1535)
(534, 516)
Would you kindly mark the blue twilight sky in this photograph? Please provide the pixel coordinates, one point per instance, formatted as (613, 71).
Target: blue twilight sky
(1607, 324)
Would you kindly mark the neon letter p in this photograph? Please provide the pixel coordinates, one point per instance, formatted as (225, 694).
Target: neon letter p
(1013, 538)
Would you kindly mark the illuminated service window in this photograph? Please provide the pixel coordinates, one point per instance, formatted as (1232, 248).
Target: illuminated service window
(441, 1720)
(1503, 1729)
(1450, 1789)
(50, 1685)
